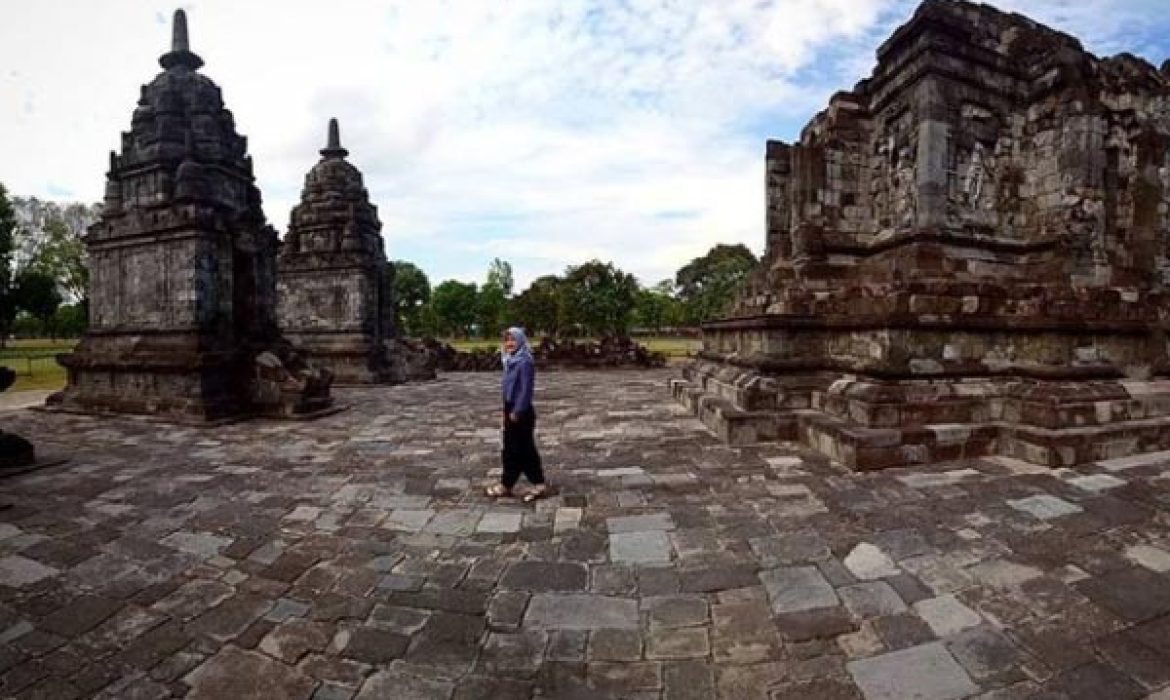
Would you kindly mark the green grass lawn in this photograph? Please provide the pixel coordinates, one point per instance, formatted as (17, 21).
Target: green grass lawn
(34, 361)
(36, 367)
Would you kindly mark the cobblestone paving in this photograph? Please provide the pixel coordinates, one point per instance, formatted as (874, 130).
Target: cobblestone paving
(355, 556)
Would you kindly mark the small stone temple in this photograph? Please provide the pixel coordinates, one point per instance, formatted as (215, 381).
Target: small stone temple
(967, 254)
(333, 284)
(182, 264)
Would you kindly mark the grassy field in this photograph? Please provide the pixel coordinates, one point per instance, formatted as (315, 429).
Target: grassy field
(34, 361)
(35, 364)
(672, 347)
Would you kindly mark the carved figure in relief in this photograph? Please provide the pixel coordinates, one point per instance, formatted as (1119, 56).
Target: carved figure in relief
(973, 179)
(905, 175)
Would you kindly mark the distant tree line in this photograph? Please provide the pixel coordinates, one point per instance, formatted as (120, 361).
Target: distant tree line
(44, 278)
(591, 299)
(43, 273)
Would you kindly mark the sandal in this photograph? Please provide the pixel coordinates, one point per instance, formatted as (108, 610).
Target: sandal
(498, 491)
(538, 491)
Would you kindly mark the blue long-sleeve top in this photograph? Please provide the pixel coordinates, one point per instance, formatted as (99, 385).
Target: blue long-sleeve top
(517, 385)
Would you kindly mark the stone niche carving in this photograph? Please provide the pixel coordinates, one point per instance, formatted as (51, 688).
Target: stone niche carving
(333, 283)
(183, 270)
(999, 288)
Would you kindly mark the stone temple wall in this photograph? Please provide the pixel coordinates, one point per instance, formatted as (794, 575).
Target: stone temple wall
(974, 237)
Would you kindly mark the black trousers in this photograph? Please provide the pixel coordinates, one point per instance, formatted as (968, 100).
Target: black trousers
(519, 455)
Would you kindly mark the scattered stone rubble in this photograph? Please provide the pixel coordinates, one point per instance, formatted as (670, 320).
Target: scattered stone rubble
(15, 451)
(551, 353)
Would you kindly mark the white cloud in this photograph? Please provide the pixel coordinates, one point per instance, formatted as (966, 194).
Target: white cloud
(541, 132)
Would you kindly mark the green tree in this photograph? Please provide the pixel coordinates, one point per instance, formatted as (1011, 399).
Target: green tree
(454, 305)
(492, 304)
(707, 285)
(61, 253)
(598, 298)
(36, 293)
(410, 290)
(537, 308)
(8, 305)
(656, 307)
(70, 321)
(500, 274)
(491, 308)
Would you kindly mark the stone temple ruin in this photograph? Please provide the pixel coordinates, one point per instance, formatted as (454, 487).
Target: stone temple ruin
(967, 254)
(333, 284)
(183, 270)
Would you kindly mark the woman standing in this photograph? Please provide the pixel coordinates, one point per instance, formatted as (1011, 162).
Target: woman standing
(519, 422)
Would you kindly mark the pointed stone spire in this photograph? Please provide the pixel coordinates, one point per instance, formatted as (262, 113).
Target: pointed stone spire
(333, 147)
(179, 32)
(180, 53)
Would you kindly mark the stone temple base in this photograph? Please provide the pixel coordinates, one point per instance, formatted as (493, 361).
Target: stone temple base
(351, 358)
(166, 376)
(862, 422)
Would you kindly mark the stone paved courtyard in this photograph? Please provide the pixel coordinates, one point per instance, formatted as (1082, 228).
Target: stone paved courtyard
(355, 556)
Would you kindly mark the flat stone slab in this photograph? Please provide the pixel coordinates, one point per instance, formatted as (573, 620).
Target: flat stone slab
(1153, 558)
(790, 548)
(203, 544)
(643, 547)
(408, 520)
(639, 523)
(926, 671)
(396, 683)
(492, 523)
(867, 562)
(17, 571)
(1133, 461)
(669, 612)
(581, 612)
(1045, 507)
(872, 599)
(236, 673)
(945, 615)
(798, 588)
(935, 479)
(545, 576)
(1097, 482)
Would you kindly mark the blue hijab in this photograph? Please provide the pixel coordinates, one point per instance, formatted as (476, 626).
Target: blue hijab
(522, 353)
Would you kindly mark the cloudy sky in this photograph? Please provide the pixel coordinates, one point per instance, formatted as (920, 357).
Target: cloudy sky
(544, 132)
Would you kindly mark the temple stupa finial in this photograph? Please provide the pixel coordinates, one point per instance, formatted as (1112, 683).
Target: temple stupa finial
(180, 53)
(333, 147)
(179, 32)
